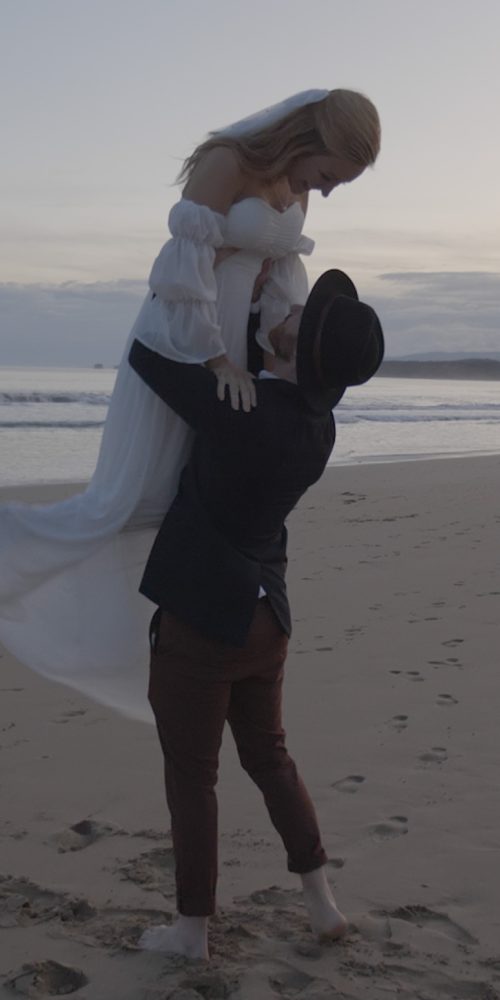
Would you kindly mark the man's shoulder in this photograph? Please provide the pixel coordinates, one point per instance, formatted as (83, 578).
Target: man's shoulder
(279, 400)
(273, 388)
(279, 396)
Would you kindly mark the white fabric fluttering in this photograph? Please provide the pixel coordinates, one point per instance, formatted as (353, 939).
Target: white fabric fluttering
(70, 571)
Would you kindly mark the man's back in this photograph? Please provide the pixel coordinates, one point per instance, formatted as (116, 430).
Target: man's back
(223, 537)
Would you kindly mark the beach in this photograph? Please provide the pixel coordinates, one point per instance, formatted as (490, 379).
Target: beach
(391, 710)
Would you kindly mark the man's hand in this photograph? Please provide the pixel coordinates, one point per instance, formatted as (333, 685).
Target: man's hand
(239, 382)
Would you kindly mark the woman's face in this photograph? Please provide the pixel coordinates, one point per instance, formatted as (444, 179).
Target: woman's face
(321, 173)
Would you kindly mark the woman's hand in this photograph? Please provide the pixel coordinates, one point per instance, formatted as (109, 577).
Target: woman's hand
(239, 382)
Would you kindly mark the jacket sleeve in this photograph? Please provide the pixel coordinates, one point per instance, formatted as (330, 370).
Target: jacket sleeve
(189, 389)
(181, 322)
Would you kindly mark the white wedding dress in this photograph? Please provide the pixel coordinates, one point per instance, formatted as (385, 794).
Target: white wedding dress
(70, 571)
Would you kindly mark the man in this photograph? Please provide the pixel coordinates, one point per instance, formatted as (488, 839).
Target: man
(217, 574)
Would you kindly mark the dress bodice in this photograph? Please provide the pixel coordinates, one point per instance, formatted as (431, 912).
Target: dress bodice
(253, 224)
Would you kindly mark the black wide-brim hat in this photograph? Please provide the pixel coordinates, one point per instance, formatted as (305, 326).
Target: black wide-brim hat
(340, 341)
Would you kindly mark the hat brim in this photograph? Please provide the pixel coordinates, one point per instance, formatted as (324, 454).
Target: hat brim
(327, 287)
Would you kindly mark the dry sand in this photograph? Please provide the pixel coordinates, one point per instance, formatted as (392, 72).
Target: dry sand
(392, 707)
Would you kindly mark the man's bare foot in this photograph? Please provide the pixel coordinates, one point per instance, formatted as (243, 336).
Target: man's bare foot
(326, 920)
(187, 936)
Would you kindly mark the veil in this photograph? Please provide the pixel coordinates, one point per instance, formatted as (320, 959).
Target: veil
(270, 116)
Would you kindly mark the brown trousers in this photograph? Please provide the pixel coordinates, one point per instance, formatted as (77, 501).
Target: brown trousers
(195, 685)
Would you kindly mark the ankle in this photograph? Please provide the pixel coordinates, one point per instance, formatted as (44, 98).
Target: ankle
(326, 919)
(193, 927)
(315, 883)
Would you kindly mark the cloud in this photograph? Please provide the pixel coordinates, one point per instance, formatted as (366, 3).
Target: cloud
(67, 324)
(83, 324)
(439, 311)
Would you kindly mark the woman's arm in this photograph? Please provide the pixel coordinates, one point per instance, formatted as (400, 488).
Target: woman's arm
(215, 184)
(217, 181)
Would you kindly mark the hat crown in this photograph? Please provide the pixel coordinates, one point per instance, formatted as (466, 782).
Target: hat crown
(340, 341)
(349, 343)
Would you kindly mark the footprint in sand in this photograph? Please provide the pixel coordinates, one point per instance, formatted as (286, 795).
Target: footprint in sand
(286, 981)
(399, 722)
(336, 863)
(450, 661)
(274, 896)
(207, 985)
(352, 497)
(414, 675)
(436, 755)
(149, 834)
(47, 979)
(73, 713)
(23, 902)
(112, 927)
(308, 949)
(268, 916)
(352, 632)
(431, 919)
(446, 700)
(350, 784)
(82, 834)
(279, 979)
(153, 870)
(271, 981)
(395, 826)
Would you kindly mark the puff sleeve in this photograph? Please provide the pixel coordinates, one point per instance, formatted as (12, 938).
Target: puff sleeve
(287, 285)
(180, 321)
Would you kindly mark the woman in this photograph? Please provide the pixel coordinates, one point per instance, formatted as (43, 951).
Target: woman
(69, 606)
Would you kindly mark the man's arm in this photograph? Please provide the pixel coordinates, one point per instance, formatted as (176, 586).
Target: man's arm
(190, 390)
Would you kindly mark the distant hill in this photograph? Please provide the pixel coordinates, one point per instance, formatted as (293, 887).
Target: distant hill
(466, 368)
(484, 354)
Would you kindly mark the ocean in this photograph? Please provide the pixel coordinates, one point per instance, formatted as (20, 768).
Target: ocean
(51, 421)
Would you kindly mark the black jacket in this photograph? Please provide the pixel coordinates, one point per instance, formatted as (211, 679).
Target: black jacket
(224, 535)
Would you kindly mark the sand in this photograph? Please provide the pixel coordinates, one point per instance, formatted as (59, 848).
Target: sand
(392, 707)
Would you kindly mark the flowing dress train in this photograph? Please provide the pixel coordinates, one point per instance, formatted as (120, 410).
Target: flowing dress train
(70, 571)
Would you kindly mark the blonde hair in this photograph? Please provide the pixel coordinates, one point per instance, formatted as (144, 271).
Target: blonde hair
(345, 123)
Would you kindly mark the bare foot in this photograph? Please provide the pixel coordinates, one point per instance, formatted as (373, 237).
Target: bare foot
(187, 936)
(326, 919)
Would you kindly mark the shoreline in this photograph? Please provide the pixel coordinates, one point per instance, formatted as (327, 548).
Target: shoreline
(59, 489)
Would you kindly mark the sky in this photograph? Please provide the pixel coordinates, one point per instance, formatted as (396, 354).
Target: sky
(103, 99)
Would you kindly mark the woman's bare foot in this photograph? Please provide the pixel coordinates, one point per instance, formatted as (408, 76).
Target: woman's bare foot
(326, 920)
(187, 936)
